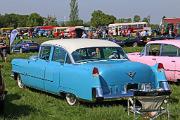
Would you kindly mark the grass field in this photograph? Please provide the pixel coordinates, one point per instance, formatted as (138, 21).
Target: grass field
(28, 104)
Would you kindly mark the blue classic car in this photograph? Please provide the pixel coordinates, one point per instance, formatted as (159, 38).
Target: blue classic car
(25, 46)
(88, 69)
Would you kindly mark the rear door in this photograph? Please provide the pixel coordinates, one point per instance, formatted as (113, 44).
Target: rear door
(168, 58)
(177, 59)
(151, 52)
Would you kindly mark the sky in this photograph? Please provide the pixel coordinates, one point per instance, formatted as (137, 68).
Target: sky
(118, 8)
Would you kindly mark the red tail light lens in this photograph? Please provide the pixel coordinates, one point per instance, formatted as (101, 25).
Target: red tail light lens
(160, 66)
(95, 72)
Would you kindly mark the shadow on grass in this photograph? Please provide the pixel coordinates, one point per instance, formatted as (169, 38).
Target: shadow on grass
(122, 102)
(173, 100)
(13, 111)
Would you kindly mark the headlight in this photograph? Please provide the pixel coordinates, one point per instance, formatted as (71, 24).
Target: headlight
(145, 87)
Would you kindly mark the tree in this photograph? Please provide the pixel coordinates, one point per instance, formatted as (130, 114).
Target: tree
(10, 20)
(137, 18)
(1, 21)
(35, 19)
(101, 19)
(22, 20)
(74, 13)
(87, 24)
(146, 19)
(129, 20)
(74, 23)
(50, 20)
(124, 20)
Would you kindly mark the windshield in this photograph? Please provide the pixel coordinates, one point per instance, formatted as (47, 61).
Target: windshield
(98, 53)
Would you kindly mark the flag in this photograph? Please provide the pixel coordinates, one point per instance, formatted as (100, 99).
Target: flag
(13, 36)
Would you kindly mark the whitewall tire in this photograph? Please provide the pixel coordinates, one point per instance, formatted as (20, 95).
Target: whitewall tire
(71, 99)
(19, 82)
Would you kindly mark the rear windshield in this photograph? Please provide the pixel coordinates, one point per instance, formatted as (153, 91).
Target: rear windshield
(98, 53)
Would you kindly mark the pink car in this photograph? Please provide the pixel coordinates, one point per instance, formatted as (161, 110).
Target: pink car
(161, 51)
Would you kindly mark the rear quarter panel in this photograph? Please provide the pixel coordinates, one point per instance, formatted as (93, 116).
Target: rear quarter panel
(79, 81)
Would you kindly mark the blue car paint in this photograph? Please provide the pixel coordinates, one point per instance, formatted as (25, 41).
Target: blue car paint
(55, 77)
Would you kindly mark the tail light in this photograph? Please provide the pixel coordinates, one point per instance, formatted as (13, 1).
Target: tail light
(95, 72)
(160, 66)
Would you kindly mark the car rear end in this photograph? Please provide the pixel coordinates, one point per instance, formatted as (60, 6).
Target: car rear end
(129, 79)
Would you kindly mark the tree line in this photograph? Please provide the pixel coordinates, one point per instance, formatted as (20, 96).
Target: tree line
(17, 20)
(98, 18)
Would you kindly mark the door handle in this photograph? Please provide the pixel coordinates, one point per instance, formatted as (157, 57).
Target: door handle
(173, 61)
(154, 59)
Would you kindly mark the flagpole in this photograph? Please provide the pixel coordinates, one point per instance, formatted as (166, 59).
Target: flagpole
(12, 38)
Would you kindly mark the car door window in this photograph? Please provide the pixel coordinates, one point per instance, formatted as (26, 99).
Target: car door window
(169, 50)
(60, 55)
(45, 52)
(179, 52)
(153, 50)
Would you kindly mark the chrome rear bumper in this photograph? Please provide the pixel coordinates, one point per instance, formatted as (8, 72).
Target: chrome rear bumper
(98, 94)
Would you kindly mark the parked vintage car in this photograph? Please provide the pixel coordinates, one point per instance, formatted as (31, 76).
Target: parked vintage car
(3, 93)
(134, 42)
(177, 37)
(88, 69)
(162, 51)
(119, 42)
(25, 46)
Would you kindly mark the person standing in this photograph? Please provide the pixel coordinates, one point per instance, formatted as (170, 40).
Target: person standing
(84, 35)
(3, 51)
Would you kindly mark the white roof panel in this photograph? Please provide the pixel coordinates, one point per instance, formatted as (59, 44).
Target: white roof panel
(73, 44)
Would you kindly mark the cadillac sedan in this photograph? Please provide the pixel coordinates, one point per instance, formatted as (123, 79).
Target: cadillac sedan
(89, 70)
(162, 51)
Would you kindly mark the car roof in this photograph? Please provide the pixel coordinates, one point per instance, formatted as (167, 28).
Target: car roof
(172, 42)
(73, 44)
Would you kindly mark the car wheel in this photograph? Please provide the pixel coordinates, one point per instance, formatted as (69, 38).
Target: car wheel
(2, 107)
(19, 82)
(71, 99)
(135, 44)
(20, 50)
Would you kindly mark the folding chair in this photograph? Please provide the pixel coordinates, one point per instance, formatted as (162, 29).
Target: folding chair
(149, 107)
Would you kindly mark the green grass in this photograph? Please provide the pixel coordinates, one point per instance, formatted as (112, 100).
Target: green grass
(28, 104)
